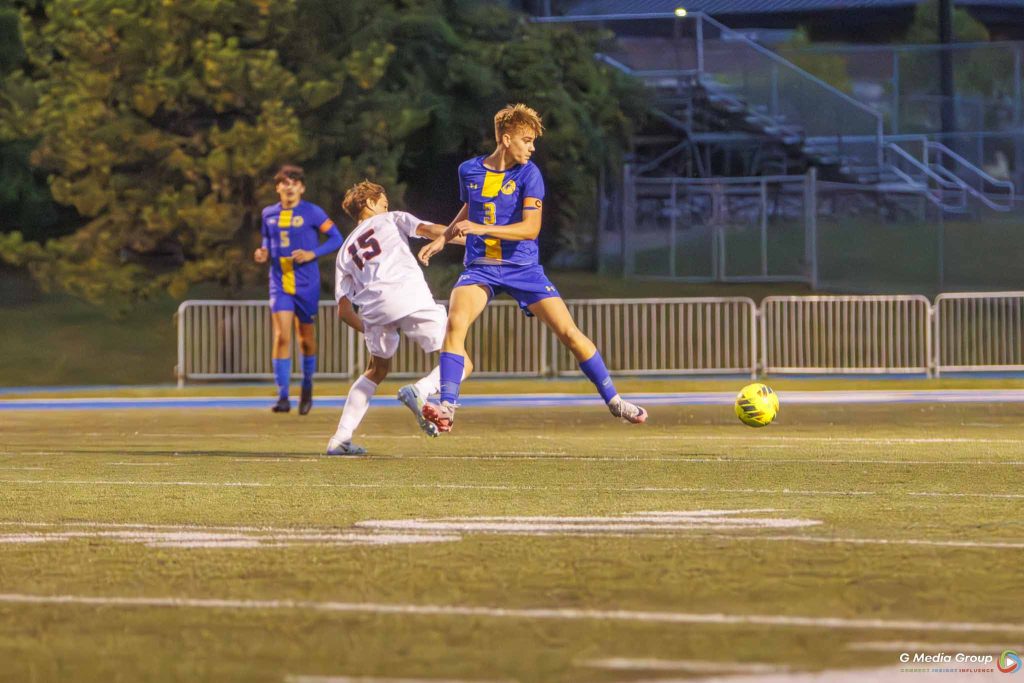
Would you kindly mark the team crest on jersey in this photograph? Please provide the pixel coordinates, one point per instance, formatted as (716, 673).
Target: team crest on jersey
(297, 221)
(509, 187)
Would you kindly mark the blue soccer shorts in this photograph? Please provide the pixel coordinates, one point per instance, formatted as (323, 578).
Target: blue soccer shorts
(304, 304)
(526, 284)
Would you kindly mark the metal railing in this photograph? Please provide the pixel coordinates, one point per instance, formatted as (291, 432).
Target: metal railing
(900, 334)
(994, 193)
(979, 332)
(944, 192)
(772, 92)
(231, 340)
(713, 335)
(845, 334)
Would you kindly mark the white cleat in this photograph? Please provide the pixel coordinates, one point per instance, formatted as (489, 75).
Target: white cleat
(630, 412)
(443, 415)
(414, 401)
(335, 447)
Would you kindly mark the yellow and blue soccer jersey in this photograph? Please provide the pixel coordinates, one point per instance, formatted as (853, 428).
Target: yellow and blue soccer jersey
(285, 230)
(496, 198)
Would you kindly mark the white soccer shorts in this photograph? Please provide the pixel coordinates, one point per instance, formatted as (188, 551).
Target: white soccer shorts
(425, 327)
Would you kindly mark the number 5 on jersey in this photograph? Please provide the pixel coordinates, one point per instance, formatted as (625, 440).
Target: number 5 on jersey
(370, 246)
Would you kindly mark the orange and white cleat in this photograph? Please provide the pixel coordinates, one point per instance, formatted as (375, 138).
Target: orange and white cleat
(442, 415)
(630, 412)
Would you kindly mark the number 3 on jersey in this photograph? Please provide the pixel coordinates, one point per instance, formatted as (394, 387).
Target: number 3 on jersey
(489, 214)
(371, 249)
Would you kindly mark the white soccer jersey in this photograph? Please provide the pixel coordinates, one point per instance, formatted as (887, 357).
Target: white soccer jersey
(377, 271)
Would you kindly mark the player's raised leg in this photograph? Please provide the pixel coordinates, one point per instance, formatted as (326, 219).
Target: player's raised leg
(356, 404)
(281, 355)
(307, 344)
(465, 305)
(553, 312)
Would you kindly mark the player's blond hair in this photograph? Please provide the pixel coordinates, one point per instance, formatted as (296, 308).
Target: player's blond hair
(515, 117)
(358, 195)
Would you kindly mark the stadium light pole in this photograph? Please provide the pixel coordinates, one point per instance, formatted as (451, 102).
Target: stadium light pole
(948, 113)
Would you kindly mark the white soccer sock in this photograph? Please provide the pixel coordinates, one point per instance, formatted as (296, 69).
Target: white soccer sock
(431, 384)
(356, 404)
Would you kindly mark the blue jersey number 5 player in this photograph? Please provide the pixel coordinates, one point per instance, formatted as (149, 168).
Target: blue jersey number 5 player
(503, 199)
(291, 243)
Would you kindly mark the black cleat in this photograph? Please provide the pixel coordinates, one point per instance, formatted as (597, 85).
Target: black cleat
(306, 402)
(283, 405)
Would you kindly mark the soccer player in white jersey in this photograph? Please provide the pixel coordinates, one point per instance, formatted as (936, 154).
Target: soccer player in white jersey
(377, 272)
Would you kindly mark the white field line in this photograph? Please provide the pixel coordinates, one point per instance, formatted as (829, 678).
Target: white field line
(911, 646)
(172, 527)
(274, 535)
(630, 523)
(277, 460)
(689, 665)
(753, 439)
(550, 613)
(197, 539)
(683, 460)
(121, 482)
(25, 469)
(886, 675)
(372, 679)
(513, 487)
(143, 464)
(1006, 545)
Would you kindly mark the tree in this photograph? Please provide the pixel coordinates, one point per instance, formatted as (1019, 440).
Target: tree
(156, 122)
(435, 72)
(161, 122)
(977, 71)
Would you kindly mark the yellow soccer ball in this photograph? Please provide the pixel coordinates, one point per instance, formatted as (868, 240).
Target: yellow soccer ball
(757, 405)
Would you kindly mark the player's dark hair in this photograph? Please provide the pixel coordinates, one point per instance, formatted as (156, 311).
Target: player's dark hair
(358, 195)
(290, 172)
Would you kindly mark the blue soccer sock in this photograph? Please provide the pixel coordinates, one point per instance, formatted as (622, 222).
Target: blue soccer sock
(282, 375)
(452, 366)
(308, 368)
(597, 373)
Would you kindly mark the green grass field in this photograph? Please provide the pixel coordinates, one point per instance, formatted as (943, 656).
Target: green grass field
(216, 545)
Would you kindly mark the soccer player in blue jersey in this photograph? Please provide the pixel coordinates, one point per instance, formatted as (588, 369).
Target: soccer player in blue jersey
(291, 243)
(503, 200)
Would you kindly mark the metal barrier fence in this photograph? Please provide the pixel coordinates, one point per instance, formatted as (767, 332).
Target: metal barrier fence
(231, 340)
(845, 334)
(979, 332)
(666, 336)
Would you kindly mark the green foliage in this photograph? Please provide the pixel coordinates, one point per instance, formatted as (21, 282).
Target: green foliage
(976, 71)
(925, 26)
(160, 122)
(829, 68)
(157, 122)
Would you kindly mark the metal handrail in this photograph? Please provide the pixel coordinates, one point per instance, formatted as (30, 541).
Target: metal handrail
(782, 61)
(983, 175)
(930, 174)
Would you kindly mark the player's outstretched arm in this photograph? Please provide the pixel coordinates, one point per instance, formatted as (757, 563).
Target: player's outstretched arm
(432, 231)
(348, 315)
